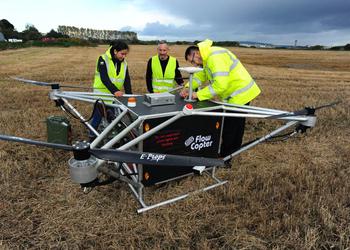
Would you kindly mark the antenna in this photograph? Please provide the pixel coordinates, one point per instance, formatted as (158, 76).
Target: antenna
(191, 71)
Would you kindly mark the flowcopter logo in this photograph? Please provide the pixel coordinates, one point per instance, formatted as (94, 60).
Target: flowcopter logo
(199, 142)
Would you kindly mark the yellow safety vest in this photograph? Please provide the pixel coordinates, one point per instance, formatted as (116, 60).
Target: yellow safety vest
(117, 80)
(228, 79)
(163, 83)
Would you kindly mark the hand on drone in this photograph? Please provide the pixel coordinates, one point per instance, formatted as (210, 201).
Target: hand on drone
(118, 93)
(184, 93)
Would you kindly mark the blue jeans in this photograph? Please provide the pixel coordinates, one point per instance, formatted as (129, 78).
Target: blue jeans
(97, 118)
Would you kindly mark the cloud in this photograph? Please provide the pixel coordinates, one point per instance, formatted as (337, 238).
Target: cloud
(277, 21)
(252, 19)
(172, 31)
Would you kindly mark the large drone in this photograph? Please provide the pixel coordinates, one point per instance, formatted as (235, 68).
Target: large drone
(151, 141)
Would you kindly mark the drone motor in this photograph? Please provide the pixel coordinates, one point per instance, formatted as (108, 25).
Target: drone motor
(82, 166)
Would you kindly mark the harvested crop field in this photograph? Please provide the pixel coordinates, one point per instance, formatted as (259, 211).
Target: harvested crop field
(283, 195)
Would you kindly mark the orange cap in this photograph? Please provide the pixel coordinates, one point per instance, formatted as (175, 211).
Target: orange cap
(131, 99)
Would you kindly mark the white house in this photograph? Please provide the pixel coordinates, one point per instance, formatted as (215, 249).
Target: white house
(14, 40)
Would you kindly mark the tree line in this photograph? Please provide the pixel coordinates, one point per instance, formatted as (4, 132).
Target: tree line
(29, 33)
(32, 34)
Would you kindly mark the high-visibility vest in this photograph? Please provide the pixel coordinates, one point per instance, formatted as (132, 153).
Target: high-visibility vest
(228, 79)
(117, 80)
(163, 83)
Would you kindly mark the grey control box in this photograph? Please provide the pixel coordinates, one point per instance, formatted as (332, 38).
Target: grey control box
(156, 99)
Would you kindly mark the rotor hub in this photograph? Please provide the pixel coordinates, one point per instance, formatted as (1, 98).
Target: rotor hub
(81, 150)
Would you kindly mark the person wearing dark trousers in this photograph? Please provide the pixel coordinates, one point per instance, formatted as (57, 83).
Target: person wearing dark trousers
(112, 77)
(233, 132)
(229, 82)
(162, 72)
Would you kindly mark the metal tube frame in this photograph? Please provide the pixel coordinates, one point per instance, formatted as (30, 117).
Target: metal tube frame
(81, 118)
(135, 182)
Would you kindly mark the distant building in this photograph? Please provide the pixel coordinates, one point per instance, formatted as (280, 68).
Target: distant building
(83, 33)
(256, 45)
(14, 40)
(2, 38)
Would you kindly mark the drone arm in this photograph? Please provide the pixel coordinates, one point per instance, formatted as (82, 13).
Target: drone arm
(62, 102)
(81, 118)
(262, 139)
(251, 115)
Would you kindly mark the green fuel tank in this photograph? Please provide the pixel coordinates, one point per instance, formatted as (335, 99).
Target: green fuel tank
(58, 130)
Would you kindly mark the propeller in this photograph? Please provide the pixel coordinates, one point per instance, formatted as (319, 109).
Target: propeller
(82, 151)
(52, 85)
(304, 111)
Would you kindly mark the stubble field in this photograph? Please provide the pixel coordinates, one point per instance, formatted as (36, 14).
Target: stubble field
(284, 195)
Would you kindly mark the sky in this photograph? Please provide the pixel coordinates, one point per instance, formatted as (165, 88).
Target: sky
(280, 22)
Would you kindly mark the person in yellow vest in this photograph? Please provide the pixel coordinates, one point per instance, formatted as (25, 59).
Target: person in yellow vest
(228, 81)
(111, 76)
(162, 72)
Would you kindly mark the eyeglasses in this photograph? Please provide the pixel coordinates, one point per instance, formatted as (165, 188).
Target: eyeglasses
(192, 60)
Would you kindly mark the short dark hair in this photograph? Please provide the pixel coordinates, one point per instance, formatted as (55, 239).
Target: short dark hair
(190, 50)
(119, 45)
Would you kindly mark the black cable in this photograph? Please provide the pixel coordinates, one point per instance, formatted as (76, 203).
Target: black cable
(283, 137)
(271, 139)
(60, 103)
(96, 107)
(69, 112)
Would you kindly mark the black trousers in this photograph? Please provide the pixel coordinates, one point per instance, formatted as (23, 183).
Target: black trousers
(232, 134)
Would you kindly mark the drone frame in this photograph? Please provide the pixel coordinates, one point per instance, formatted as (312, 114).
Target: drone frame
(136, 171)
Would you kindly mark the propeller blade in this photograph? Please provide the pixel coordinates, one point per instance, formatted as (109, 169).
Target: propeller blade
(46, 84)
(155, 159)
(328, 105)
(32, 81)
(126, 156)
(305, 111)
(37, 143)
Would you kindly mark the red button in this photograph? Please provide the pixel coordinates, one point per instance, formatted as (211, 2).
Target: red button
(189, 106)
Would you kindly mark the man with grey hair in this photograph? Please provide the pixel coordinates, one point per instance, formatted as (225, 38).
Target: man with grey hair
(162, 71)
